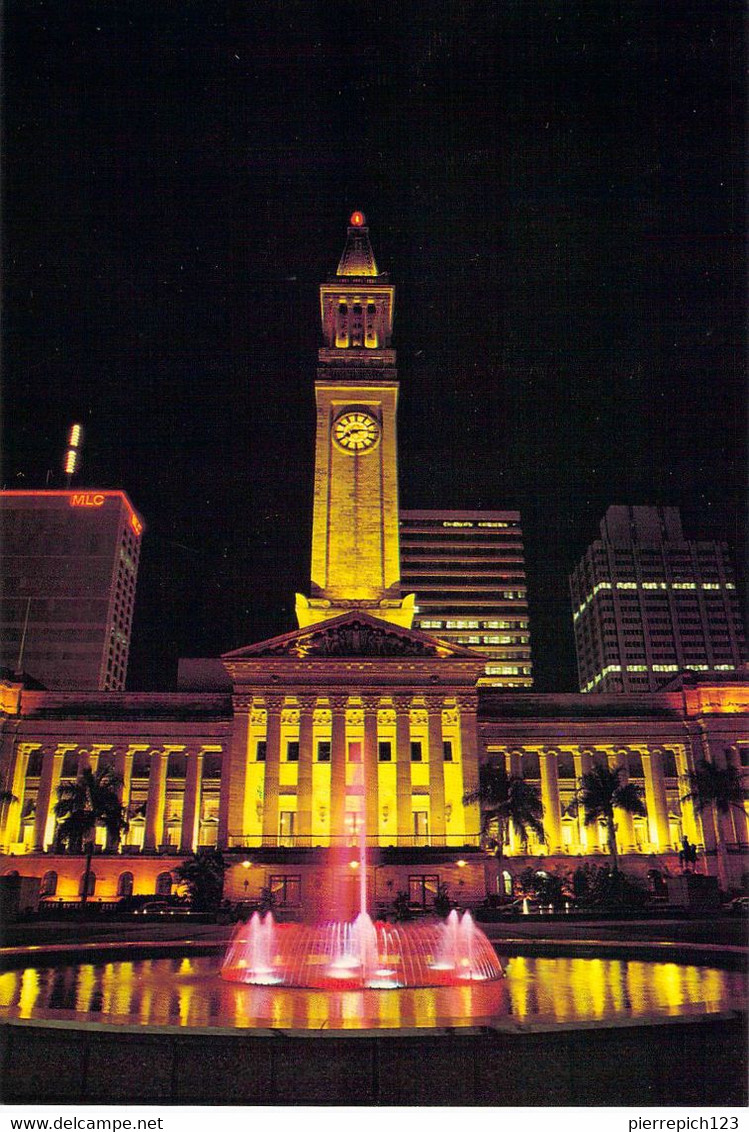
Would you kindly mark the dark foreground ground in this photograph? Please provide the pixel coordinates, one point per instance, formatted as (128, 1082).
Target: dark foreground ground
(679, 1063)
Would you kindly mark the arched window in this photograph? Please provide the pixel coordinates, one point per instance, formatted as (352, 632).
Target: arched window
(91, 884)
(164, 884)
(507, 882)
(125, 884)
(49, 884)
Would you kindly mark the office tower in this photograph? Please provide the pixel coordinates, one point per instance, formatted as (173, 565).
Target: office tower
(69, 565)
(468, 573)
(649, 603)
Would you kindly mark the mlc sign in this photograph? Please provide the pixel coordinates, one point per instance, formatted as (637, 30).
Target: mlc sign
(86, 499)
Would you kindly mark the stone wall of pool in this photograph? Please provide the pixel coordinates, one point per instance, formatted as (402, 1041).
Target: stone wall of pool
(685, 1062)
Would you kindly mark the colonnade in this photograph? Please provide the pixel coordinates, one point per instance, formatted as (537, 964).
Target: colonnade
(337, 717)
(251, 797)
(557, 792)
(121, 760)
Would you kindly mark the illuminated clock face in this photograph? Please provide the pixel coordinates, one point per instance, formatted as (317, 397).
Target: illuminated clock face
(356, 431)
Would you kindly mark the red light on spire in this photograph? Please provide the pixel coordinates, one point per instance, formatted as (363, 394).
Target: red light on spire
(357, 220)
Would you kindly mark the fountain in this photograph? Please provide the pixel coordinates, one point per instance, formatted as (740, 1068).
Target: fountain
(360, 954)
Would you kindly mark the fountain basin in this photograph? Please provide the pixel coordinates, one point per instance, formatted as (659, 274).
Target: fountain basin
(556, 1030)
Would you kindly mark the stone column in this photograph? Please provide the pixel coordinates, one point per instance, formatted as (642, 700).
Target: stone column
(306, 759)
(469, 753)
(437, 822)
(655, 797)
(46, 799)
(690, 820)
(370, 770)
(550, 799)
(191, 803)
(233, 790)
(338, 770)
(740, 822)
(156, 803)
(405, 829)
(273, 706)
(122, 764)
(14, 810)
(625, 825)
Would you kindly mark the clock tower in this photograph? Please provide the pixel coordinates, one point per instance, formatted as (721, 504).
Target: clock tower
(355, 547)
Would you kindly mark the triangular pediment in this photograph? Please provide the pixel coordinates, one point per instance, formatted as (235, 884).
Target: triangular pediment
(353, 634)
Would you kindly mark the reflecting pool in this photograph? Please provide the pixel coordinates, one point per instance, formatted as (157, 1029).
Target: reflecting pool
(189, 993)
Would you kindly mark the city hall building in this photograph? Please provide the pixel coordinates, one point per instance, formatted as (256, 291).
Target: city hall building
(357, 727)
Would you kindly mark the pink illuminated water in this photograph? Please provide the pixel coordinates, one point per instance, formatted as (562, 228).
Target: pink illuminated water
(360, 954)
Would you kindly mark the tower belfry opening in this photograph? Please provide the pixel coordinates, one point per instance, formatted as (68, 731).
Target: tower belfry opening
(355, 542)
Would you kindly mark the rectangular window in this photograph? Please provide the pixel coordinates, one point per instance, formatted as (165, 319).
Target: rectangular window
(422, 890)
(416, 751)
(292, 751)
(421, 828)
(286, 826)
(323, 751)
(261, 750)
(447, 750)
(286, 891)
(354, 752)
(385, 751)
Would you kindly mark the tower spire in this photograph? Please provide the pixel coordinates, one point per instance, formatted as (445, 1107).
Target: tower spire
(358, 257)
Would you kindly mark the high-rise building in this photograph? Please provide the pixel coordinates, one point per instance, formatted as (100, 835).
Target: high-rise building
(69, 566)
(468, 573)
(649, 603)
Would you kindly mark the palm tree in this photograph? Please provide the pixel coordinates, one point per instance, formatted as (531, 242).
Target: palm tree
(720, 790)
(203, 874)
(506, 798)
(91, 800)
(710, 785)
(601, 792)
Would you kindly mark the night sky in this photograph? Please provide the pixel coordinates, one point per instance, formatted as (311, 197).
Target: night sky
(554, 187)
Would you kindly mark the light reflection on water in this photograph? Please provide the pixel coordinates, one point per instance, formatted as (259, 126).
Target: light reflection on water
(188, 992)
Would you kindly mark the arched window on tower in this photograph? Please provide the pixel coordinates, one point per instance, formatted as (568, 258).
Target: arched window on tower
(341, 328)
(370, 333)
